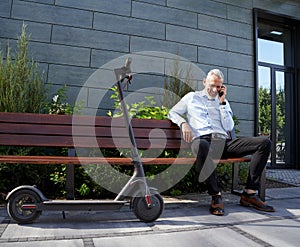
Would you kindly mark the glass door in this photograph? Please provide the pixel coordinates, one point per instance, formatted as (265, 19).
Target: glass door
(275, 83)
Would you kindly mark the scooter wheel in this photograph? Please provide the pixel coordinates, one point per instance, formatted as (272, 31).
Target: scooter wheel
(145, 212)
(18, 200)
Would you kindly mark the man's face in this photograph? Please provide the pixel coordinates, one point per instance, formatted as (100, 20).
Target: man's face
(212, 85)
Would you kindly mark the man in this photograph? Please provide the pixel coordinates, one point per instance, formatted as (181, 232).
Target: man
(205, 118)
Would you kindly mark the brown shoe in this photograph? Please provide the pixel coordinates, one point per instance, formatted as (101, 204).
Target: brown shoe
(217, 206)
(254, 201)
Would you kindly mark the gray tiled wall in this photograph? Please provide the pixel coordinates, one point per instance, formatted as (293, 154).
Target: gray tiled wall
(71, 39)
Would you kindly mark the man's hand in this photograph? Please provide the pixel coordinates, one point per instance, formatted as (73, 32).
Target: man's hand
(186, 132)
(222, 93)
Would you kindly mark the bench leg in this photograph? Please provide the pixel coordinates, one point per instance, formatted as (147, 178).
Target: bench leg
(235, 179)
(70, 174)
(70, 182)
(262, 189)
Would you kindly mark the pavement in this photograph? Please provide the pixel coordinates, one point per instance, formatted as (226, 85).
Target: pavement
(184, 222)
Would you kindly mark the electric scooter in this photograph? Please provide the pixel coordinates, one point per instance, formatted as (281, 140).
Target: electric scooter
(26, 203)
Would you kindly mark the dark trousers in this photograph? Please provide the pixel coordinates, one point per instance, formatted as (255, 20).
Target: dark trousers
(206, 150)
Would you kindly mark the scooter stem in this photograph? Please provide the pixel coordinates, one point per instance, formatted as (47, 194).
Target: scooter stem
(139, 174)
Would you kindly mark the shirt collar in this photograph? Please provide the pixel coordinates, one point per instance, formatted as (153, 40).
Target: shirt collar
(204, 94)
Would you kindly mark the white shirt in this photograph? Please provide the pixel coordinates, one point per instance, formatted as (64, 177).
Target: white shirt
(204, 115)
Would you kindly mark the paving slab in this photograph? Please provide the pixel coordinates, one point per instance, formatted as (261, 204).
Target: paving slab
(283, 193)
(276, 232)
(199, 217)
(209, 237)
(76, 225)
(47, 243)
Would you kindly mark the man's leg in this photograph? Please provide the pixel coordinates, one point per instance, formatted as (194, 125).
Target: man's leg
(259, 148)
(201, 149)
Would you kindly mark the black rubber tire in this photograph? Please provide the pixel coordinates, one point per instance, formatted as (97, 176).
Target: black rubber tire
(14, 206)
(145, 213)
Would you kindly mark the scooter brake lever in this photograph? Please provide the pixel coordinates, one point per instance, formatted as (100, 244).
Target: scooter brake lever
(129, 78)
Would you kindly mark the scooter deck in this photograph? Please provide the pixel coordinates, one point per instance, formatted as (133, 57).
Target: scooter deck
(83, 205)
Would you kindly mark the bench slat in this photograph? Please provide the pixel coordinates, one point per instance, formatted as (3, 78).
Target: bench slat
(102, 142)
(48, 119)
(10, 159)
(61, 130)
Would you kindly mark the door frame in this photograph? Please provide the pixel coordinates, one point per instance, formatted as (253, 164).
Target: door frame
(295, 101)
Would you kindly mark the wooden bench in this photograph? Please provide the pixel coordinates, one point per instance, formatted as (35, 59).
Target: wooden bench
(64, 131)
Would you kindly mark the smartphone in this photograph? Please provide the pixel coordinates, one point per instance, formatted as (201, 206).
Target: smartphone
(221, 92)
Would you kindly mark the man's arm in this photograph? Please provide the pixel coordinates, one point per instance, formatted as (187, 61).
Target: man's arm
(176, 116)
(226, 117)
(225, 110)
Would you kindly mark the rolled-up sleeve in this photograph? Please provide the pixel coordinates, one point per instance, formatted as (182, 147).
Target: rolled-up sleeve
(179, 110)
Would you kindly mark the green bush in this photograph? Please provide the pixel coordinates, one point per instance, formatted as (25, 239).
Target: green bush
(59, 104)
(174, 87)
(22, 85)
(146, 109)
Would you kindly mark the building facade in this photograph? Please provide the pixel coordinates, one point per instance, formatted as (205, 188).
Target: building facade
(72, 39)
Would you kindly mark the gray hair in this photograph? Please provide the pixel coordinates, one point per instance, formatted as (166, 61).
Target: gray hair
(217, 73)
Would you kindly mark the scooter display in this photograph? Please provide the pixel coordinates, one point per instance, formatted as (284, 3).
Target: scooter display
(26, 203)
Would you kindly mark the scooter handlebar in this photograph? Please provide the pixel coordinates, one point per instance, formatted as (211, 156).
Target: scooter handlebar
(128, 62)
(120, 73)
